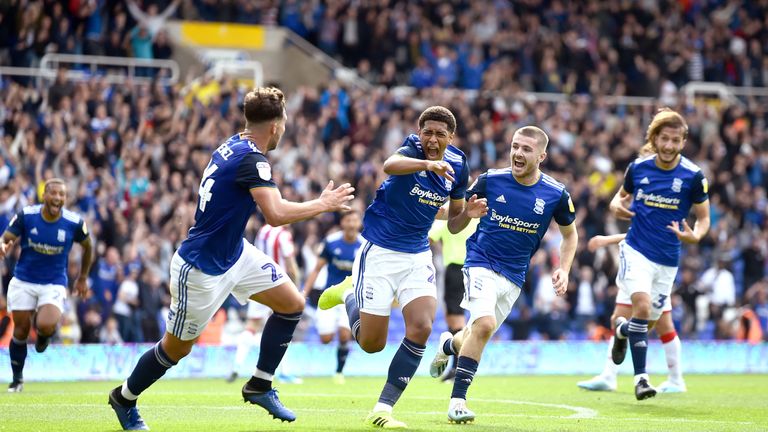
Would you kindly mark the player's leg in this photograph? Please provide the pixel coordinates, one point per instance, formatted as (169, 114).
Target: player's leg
(195, 297)
(22, 302)
(345, 335)
(673, 352)
(489, 299)
(454, 313)
(47, 319)
(607, 379)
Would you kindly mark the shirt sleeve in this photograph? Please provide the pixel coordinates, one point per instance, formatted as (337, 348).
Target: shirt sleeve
(629, 184)
(565, 213)
(254, 171)
(410, 148)
(699, 189)
(16, 226)
(326, 252)
(81, 232)
(478, 187)
(460, 189)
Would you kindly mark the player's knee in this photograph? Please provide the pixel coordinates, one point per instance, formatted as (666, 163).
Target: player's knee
(21, 332)
(46, 329)
(326, 339)
(484, 327)
(372, 346)
(419, 331)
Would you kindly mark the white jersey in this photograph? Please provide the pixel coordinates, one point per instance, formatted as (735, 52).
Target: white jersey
(276, 243)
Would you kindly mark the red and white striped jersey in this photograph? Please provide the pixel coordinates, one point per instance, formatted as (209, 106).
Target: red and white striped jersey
(276, 242)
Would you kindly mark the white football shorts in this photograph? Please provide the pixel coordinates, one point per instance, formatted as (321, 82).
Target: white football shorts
(487, 293)
(639, 274)
(329, 321)
(196, 296)
(27, 296)
(382, 275)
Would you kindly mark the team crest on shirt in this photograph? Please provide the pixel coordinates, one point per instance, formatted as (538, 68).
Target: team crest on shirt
(677, 184)
(265, 171)
(538, 206)
(62, 236)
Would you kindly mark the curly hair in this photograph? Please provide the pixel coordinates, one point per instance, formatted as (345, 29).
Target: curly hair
(439, 114)
(263, 104)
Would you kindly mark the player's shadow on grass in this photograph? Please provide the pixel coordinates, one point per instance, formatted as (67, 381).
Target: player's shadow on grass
(661, 408)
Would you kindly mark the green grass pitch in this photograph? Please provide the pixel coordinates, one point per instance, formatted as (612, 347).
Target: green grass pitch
(509, 403)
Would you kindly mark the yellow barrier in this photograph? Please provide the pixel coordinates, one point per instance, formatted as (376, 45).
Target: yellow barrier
(223, 35)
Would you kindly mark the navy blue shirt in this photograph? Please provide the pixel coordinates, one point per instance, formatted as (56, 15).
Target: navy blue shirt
(340, 256)
(405, 206)
(45, 245)
(224, 205)
(518, 217)
(660, 197)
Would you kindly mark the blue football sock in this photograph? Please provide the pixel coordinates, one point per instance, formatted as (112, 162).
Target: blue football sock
(275, 338)
(151, 366)
(401, 370)
(465, 373)
(341, 356)
(353, 312)
(18, 354)
(638, 343)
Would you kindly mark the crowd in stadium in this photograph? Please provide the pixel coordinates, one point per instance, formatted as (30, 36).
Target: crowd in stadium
(133, 157)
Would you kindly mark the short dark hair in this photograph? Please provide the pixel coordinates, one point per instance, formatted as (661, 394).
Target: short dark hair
(344, 215)
(263, 104)
(439, 114)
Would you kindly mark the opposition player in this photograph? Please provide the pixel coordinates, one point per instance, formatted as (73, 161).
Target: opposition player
(216, 261)
(46, 234)
(665, 328)
(522, 201)
(338, 253)
(664, 186)
(277, 244)
(394, 262)
(454, 252)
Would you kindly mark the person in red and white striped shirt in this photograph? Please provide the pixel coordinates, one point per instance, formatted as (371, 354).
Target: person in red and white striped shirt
(276, 243)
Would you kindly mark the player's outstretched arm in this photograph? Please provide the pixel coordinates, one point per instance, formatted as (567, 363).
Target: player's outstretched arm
(278, 211)
(601, 241)
(401, 165)
(81, 283)
(619, 205)
(312, 277)
(6, 244)
(700, 228)
(567, 253)
(475, 208)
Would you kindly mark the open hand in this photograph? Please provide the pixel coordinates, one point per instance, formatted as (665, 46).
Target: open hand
(477, 207)
(337, 199)
(686, 235)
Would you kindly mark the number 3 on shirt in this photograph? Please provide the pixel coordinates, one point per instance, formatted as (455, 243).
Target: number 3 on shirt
(205, 186)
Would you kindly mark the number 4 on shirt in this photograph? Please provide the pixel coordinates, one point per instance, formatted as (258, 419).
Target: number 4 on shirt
(205, 186)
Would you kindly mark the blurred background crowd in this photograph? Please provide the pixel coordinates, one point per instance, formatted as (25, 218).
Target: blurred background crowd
(132, 155)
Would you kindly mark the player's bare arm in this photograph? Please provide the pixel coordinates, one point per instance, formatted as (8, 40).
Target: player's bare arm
(81, 285)
(689, 235)
(475, 208)
(7, 243)
(398, 164)
(619, 205)
(278, 211)
(567, 253)
(601, 241)
(312, 277)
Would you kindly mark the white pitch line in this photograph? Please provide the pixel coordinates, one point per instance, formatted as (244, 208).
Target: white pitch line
(362, 412)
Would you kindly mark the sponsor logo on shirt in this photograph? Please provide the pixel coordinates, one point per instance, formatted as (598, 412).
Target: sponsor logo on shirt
(514, 223)
(428, 197)
(658, 201)
(45, 249)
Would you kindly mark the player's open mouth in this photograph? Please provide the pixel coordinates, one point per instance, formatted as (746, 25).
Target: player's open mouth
(432, 152)
(519, 164)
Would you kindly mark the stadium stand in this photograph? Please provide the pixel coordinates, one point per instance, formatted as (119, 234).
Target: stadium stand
(133, 153)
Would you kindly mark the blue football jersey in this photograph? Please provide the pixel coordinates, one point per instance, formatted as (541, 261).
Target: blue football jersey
(224, 205)
(340, 256)
(518, 217)
(405, 206)
(660, 197)
(45, 245)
